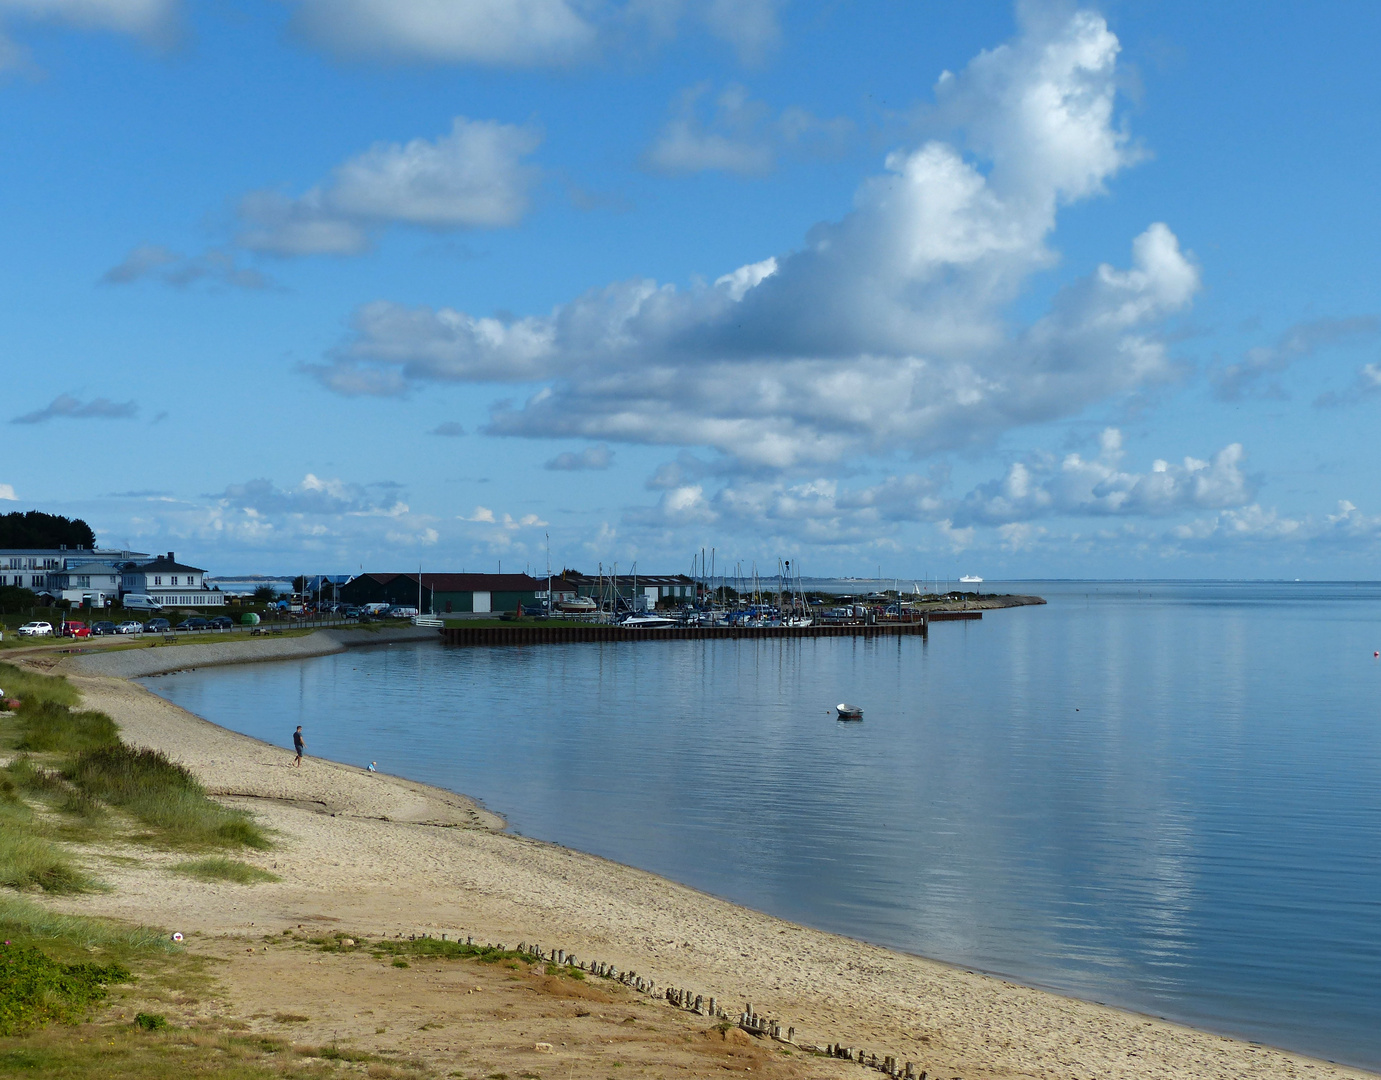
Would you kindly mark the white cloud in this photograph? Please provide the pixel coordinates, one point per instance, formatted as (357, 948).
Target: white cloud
(155, 21)
(1074, 486)
(450, 429)
(472, 177)
(153, 260)
(1346, 528)
(1235, 381)
(7, 493)
(143, 17)
(504, 522)
(1366, 384)
(526, 33)
(516, 33)
(316, 496)
(740, 135)
(817, 511)
(65, 406)
(889, 330)
(751, 26)
(590, 458)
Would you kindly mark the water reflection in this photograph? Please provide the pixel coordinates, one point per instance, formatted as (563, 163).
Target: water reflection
(1163, 796)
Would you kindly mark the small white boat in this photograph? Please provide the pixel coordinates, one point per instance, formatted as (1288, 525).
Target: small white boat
(848, 712)
(648, 622)
(970, 579)
(577, 605)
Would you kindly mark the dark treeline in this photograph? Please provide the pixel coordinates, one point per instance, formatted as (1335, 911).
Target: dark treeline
(35, 529)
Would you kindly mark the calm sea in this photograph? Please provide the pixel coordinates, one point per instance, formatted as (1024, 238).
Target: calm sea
(1165, 796)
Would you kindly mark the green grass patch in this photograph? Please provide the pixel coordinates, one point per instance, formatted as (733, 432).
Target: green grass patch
(436, 949)
(52, 727)
(219, 868)
(26, 921)
(28, 861)
(35, 989)
(163, 796)
(98, 1052)
(30, 687)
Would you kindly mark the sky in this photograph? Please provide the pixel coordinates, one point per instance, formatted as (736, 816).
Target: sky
(908, 288)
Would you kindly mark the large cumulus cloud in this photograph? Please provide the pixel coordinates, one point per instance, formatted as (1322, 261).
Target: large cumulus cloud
(888, 329)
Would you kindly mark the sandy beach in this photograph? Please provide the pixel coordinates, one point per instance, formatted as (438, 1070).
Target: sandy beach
(379, 855)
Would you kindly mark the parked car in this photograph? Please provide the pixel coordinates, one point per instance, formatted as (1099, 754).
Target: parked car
(222, 622)
(196, 622)
(130, 627)
(157, 626)
(99, 629)
(350, 612)
(36, 629)
(75, 628)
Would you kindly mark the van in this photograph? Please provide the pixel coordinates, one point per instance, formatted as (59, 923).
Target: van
(140, 602)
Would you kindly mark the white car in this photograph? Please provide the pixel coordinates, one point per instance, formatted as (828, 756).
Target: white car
(36, 629)
(130, 627)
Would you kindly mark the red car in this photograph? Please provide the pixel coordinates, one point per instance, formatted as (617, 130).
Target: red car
(75, 628)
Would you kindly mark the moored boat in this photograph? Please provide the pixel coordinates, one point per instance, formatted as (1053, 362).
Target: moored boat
(848, 712)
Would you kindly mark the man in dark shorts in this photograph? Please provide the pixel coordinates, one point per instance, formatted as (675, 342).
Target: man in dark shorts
(298, 745)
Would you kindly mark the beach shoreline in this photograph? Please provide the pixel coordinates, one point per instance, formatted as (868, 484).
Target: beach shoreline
(383, 855)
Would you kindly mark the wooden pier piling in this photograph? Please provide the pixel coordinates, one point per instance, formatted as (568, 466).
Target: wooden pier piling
(556, 633)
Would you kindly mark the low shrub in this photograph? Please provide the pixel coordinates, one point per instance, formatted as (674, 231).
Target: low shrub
(218, 868)
(36, 989)
(150, 1021)
(162, 795)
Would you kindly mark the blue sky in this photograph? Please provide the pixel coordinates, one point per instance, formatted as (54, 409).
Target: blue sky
(1044, 290)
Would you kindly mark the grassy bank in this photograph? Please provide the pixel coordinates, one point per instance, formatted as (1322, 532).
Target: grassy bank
(71, 781)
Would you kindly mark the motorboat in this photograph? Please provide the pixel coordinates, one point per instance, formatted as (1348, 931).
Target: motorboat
(970, 579)
(577, 605)
(848, 712)
(647, 622)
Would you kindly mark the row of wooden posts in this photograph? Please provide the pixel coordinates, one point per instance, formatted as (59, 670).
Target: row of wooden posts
(748, 1020)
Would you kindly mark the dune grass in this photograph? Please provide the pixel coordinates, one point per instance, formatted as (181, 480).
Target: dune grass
(28, 862)
(28, 686)
(23, 920)
(219, 868)
(52, 727)
(163, 796)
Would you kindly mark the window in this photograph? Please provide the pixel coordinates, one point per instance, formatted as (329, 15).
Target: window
(158, 579)
(174, 581)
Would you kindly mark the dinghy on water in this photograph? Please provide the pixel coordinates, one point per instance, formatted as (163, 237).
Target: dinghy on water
(848, 712)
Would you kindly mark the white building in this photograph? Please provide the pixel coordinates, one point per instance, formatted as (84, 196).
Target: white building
(171, 583)
(35, 568)
(98, 581)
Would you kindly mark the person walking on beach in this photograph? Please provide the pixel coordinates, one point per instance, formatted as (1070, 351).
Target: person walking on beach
(298, 745)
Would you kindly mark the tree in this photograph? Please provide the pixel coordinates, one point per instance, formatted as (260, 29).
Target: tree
(35, 529)
(265, 594)
(13, 598)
